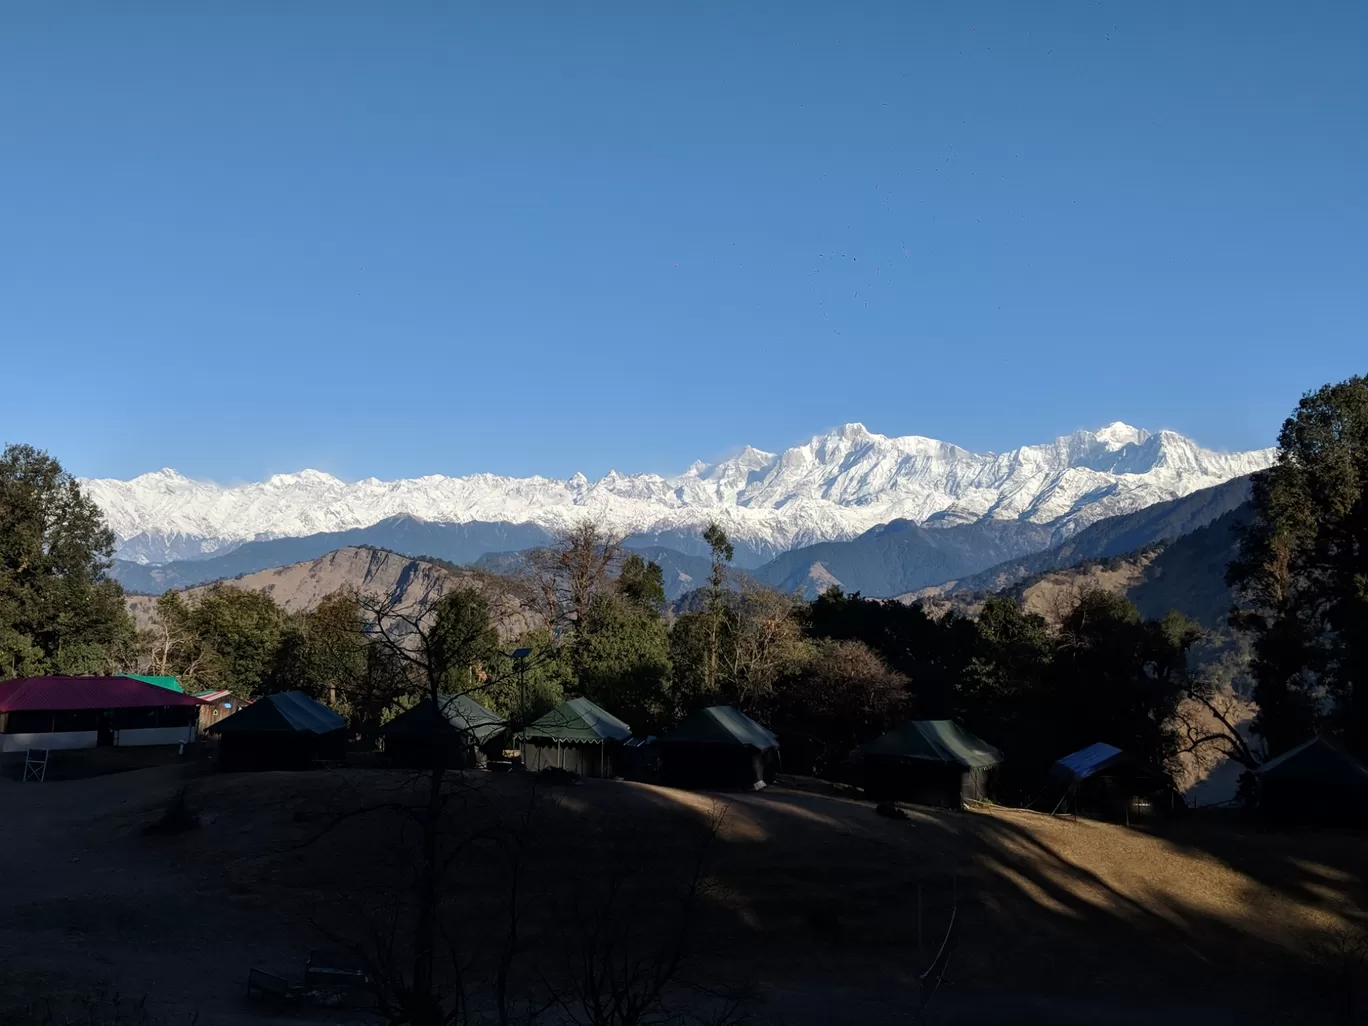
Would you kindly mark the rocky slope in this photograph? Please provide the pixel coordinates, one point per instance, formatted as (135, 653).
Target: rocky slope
(412, 584)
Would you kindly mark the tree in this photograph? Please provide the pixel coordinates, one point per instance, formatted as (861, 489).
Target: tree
(1117, 678)
(1301, 577)
(621, 660)
(241, 631)
(448, 647)
(931, 653)
(566, 575)
(1008, 670)
(522, 693)
(761, 640)
(722, 553)
(59, 610)
(836, 698)
(642, 583)
(170, 642)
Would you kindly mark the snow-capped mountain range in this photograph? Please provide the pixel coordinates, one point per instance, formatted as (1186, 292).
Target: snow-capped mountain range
(836, 486)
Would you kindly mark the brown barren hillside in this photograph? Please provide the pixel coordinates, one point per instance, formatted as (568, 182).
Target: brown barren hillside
(374, 573)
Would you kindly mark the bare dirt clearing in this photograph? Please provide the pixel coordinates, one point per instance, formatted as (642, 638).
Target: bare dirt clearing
(813, 906)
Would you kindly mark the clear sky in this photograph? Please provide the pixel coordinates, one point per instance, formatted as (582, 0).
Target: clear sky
(242, 238)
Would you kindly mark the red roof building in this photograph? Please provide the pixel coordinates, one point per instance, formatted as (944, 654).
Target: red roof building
(71, 693)
(91, 712)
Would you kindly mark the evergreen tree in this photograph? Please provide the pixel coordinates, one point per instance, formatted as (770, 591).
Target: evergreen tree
(722, 553)
(1302, 573)
(241, 632)
(59, 611)
(621, 660)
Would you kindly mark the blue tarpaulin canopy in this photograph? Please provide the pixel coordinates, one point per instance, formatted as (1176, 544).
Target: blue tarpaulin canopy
(1087, 761)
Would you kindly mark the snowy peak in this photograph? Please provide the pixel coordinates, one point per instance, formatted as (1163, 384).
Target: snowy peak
(836, 485)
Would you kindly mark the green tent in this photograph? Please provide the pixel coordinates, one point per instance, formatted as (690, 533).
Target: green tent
(169, 683)
(453, 714)
(719, 747)
(721, 724)
(451, 731)
(930, 762)
(286, 730)
(943, 741)
(577, 736)
(1319, 781)
(578, 721)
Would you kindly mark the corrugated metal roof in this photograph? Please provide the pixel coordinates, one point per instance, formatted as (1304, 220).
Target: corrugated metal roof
(723, 725)
(934, 741)
(57, 694)
(578, 720)
(282, 712)
(1082, 764)
(170, 683)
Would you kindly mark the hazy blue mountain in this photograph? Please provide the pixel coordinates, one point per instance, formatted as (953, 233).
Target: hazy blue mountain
(1115, 536)
(902, 556)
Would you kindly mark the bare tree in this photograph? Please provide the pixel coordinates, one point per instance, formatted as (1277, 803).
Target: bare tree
(764, 641)
(446, 647)
(170, 642)
(565, 576)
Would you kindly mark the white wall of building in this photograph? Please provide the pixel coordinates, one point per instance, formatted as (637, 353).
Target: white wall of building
(154, 736)
(62, 739)
(90, 738)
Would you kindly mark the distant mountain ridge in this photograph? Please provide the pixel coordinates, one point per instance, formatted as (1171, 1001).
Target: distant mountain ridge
(1115, 536)
(835, 487)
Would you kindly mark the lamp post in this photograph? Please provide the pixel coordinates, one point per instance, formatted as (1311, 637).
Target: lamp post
(520, 657)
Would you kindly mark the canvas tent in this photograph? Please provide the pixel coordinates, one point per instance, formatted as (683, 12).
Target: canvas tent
(456, 728)
(92, 712)
(1319, 781)
(286, 730)
(578, 736)
(719, 747)
(930, 762)
(1102, 781)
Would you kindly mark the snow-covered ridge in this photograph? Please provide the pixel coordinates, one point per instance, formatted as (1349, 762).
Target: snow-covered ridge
(835, 486)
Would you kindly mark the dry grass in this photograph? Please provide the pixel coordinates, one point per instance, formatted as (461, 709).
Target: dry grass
(811, 894)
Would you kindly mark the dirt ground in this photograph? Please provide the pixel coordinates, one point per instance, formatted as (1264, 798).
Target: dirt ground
(812, 905)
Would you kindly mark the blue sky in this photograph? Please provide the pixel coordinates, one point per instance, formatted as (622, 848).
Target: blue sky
(390, 240)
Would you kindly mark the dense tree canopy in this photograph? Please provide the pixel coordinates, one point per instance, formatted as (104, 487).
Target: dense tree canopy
(59, 612)
(1302, 573)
